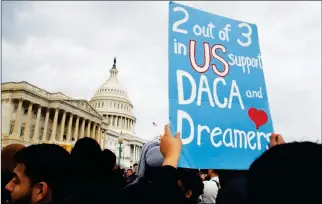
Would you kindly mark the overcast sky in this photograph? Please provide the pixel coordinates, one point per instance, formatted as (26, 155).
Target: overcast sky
(69, 47)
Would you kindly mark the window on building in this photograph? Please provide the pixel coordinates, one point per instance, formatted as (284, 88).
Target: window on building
(41, 132)
(32, 130)
(12, 124)
(22, 130)
(25, 111)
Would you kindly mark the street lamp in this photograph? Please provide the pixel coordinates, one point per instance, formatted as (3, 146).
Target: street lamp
(121, 139)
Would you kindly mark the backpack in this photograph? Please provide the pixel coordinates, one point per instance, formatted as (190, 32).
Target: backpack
(218, 192)
(216, 184)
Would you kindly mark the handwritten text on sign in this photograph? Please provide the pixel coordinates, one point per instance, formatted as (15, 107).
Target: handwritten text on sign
(217, 91)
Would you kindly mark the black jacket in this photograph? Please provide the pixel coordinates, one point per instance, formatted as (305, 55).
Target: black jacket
(163, 189)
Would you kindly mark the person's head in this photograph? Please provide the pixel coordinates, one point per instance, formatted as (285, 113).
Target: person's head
(109, 159)
(86, 148)
(286, 173)
(203, 173)
(7, 157)
(87, 157)
(129, 172)
(150, 163)
(190, 183)
(41, 174)
(135, 166)
(212, 173)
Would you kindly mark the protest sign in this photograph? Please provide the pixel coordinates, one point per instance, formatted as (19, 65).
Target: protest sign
(217, 92)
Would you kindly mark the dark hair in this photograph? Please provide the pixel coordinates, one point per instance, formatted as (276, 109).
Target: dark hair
(136, 164)
(130, 170)
(109, 159)
(191, 181)
(7, 157)
(47, 163)
(86, 148)
(287, 173)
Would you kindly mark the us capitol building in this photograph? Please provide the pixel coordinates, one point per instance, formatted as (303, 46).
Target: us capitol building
(31, 115)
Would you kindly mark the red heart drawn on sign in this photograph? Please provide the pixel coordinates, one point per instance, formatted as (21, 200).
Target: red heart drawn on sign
(259, 117)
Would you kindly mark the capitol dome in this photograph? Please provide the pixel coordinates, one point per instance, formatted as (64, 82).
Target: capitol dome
(112, 102)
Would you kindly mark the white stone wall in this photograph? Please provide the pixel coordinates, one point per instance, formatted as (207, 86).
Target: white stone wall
(6, 108)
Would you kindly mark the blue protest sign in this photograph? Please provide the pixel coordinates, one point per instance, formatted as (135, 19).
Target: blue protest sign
(217, 92)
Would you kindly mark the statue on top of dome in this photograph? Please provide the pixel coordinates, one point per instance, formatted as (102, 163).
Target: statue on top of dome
(114, 65)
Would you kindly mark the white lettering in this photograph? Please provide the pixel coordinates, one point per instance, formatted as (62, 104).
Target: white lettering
(220, 105)
(181, 99)
(215, 132)
(230, 143)
(242, 137)
(250, 136)
(192, 57)
(234, 91)
(200, 129)
(180, 116)
(204, 87)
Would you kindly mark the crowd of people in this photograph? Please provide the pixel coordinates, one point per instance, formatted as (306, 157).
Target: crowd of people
(287, 173)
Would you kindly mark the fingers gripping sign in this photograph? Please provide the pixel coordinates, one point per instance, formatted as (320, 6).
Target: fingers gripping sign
(276, 139)
(170, 147)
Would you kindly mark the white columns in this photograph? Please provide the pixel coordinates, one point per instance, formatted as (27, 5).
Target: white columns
(17, 121)
(137, 152)
(36, 132)
(128, 124)
(62, 127)
(138, 155)
(53, 132)
(69, 130)
(93, 130)
(134, 152)
(98, 135)
(82, 129)
(44, 134)
(76, 129)
(89, 129)
(26, 133)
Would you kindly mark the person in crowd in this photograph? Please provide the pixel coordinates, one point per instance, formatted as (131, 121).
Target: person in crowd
(147, 173)
(109, 160)
(41, 175)
(211, 187)
(88, 171)
(7, 166)
(232, 187)
(286, 173)
(135, 167)
(203, 173)
(158, 178)
(130, 176)
(191, 184)
(113, 180)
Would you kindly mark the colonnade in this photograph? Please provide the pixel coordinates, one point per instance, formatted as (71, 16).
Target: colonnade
(83, 127)
(121, 122)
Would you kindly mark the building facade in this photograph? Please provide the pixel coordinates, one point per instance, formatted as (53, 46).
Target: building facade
(31, 115)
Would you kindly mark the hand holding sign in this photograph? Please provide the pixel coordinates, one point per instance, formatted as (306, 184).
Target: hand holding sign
(170, 147)
(276, 139)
